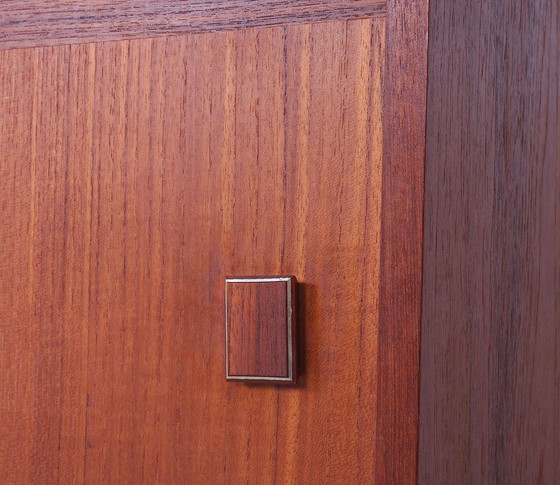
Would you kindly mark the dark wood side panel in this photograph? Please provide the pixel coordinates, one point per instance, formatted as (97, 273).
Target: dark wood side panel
(490, 401)
(136, 176)
(404, 105)
(26, 23)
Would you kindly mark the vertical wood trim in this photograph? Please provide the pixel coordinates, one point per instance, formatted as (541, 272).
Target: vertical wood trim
(401, 247)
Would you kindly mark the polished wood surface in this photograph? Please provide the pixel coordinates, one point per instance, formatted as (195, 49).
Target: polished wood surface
(136, 176)
(27, 23)
(260, 328)
(404, 125)
(490, 400)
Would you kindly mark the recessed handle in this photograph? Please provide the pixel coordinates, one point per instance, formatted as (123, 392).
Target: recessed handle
(261, 328)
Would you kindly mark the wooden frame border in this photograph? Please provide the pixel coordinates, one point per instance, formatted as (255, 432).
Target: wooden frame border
(33, 23)
(404, 128)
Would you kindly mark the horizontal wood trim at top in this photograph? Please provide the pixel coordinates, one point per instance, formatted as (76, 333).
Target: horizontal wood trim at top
(29, 23)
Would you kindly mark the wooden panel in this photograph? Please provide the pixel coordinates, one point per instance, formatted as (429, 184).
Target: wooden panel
(46, 263)
(401, 251)
(136, 175)
(26, 23)
(490, 409)
(260, 330)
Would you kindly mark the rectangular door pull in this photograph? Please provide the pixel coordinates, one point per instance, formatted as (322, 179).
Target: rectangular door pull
(260, 328)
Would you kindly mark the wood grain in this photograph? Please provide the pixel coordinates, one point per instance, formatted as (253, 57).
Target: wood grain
(136, 175)
(27, 23)
(404, 125)
(260, 329)
(490, 408)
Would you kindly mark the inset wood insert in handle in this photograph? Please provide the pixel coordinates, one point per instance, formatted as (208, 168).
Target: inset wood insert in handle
(260, 328)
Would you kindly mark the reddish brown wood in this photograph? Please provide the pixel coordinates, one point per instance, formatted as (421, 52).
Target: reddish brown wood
(490, 409)
(302, 207)
(26, 23)
(260, 321)
(136, 175)
(404, 126)
(44, 264)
